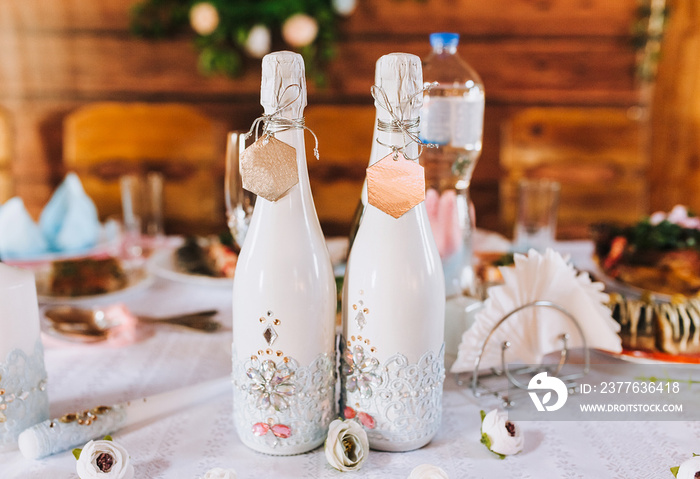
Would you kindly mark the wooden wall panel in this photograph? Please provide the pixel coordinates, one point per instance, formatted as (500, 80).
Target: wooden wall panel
(675, 121)
(388, 18)
(522, 18)
(66, 15)
(6, 149)
(61, 54)
(595, 153)
(514, 71)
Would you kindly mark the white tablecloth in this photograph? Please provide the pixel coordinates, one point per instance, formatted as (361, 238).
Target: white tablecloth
(190, 442)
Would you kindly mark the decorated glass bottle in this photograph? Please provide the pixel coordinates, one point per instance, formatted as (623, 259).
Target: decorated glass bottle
(284, 297)
(392, 368)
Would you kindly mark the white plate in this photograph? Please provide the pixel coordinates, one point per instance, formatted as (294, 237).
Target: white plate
(164, 265)
(138, 279)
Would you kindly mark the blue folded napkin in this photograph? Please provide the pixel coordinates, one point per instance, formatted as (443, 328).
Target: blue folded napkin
(20, 237)
(69, 221)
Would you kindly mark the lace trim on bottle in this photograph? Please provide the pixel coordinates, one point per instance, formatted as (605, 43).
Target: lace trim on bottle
(403, 401)
(282, 405)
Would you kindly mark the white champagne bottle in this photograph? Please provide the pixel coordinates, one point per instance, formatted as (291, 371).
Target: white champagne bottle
(392, 369)
(284, 297)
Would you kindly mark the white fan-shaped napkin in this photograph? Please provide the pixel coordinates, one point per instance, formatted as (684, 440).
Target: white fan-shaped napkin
(535, 332)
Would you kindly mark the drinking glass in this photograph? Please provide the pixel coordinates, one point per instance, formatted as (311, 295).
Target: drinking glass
(536, 220)
(239, 202)
(142, 211)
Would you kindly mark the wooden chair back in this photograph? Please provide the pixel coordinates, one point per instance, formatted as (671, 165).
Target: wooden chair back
(595, 153)
(103, 141)
(345, 141)
(6, 183)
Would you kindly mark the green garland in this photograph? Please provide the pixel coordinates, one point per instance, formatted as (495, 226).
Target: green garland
(647, 35)
(223, 50)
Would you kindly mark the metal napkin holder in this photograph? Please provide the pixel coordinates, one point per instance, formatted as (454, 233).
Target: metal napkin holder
(491, 384)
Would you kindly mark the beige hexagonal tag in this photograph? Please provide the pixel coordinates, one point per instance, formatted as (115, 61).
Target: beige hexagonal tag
(395, 186)
(269, 168)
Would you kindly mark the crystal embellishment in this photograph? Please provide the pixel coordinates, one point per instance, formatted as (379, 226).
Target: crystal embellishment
(360, 320)
(270, 335)
(272, 386)
(360, 371)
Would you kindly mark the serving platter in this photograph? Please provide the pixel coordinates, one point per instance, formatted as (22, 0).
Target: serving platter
(164, 264)
(138, 279)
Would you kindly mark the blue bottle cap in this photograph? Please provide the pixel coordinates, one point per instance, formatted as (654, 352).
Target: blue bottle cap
(443, 40)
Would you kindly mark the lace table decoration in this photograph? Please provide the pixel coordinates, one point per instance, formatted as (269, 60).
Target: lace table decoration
(23, 397)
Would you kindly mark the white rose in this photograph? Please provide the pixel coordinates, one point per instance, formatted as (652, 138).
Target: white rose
(689, 469)
(504, 437)
(204, 18)
(428, 471)
(299, 30)
(219, 473)
(346, 445)
(104, 459)
(258, 42)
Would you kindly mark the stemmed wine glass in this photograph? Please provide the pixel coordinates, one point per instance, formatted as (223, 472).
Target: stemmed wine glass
(239, 202)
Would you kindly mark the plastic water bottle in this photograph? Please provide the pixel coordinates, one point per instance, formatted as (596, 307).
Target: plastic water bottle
(452, 118)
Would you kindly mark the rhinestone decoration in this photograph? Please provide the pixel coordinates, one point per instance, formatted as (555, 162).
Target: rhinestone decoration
(360, 320)
(279, 430)
(271, 386)
(360, 372)
(365, 419)
(85, 418)
(270, 335)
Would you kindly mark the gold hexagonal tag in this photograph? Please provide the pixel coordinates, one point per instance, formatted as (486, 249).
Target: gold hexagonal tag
(269, 168)
(395, 186)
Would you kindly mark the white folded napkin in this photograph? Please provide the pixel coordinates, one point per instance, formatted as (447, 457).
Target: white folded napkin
(535, 332)
(69, 221)
(20, 236)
